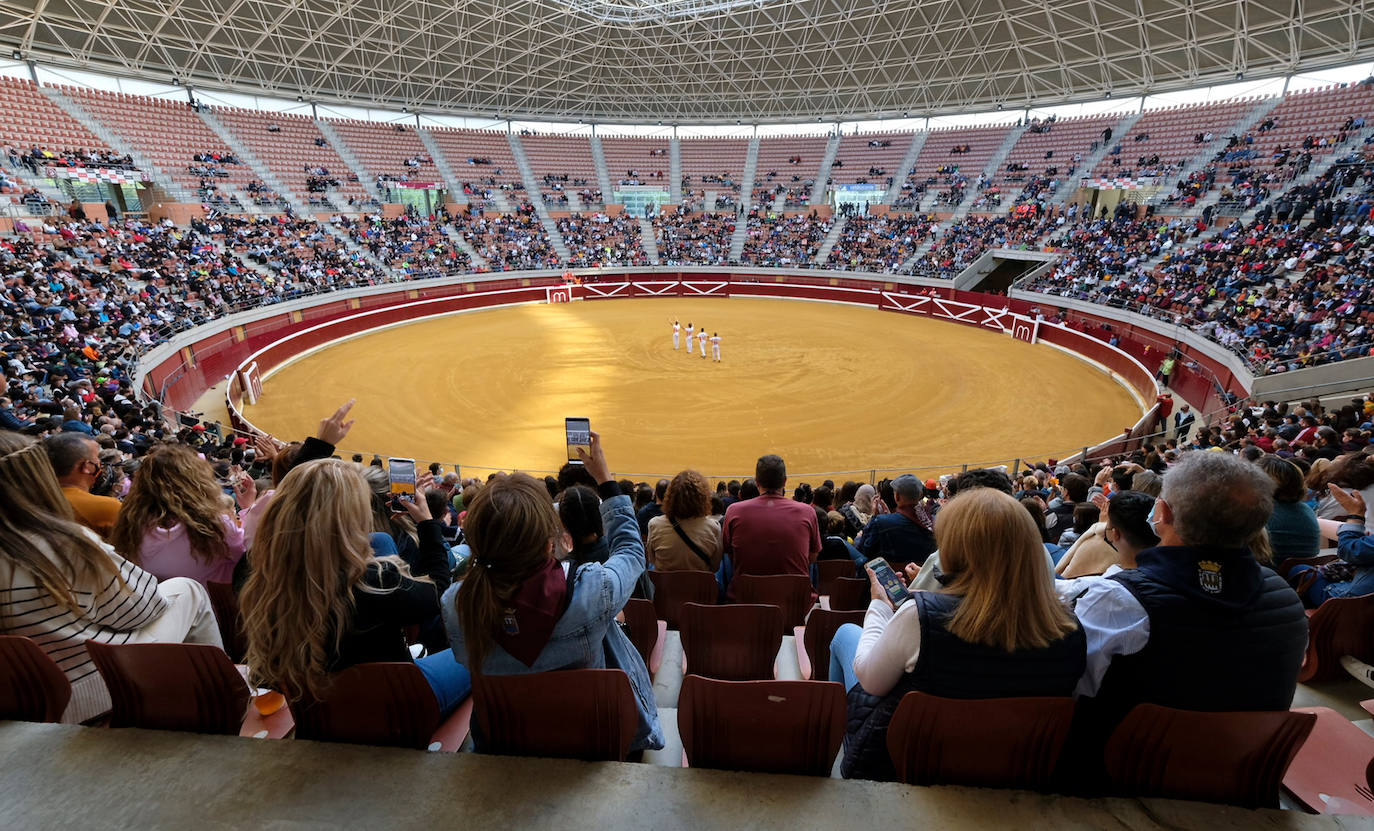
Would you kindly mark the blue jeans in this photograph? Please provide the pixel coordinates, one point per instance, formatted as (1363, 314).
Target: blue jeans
(842, 649)
(450, 680)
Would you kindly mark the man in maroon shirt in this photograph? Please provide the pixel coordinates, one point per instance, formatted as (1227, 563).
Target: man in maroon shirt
(771, 534)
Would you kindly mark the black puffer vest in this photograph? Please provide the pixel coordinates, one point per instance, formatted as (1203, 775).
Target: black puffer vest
(953, 668)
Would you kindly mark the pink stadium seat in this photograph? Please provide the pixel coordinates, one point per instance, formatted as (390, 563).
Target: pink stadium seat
(1330, 773)
(765, 726)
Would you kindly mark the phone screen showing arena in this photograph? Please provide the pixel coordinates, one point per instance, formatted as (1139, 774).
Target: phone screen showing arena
(579, 432)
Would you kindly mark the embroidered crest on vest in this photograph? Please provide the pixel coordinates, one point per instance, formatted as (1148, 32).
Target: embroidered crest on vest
(1209, 576)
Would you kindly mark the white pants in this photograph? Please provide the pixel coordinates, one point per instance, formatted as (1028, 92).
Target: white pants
(689, 344)
(715, 351)
(703, 350)
(675, 340)
(189, 618)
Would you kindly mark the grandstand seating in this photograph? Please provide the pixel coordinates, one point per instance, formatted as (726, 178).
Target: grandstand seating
(861, 154)
(33, 121)
(638, 160)
(940, 177)
(1045, 157)
(714, 165)
(813, 640)
(790, 163)
(735, 642)
(1170, 133)
(291, 152)
(566, 171)
(483, 162)
(791, 593)
(388, 151)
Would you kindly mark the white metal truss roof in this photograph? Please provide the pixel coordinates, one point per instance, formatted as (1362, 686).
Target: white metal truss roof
(685, 61)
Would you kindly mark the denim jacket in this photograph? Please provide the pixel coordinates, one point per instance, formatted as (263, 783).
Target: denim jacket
(1356, 548)
(586, 637)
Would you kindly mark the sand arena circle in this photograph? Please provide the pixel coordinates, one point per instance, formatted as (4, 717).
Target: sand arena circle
(832, 388)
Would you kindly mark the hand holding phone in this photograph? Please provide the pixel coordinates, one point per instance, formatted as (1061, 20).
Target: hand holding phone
(401, 474)
(579, 437)
(885, 583)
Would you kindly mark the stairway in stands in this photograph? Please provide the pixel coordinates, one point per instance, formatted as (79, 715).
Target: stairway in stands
(822, 182)
(831, 237)
(452, 185)
(746, 190)
(336, 141)
(245, 155)
(522, 161)
(903, 173)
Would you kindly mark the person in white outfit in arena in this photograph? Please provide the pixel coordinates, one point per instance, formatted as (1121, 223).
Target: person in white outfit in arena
(689, 337)
(677, 333)
(715, 346)
(703, 337)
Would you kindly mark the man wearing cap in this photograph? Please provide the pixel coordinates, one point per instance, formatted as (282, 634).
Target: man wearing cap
(75, 458)
(905, 536)
(1199, 624)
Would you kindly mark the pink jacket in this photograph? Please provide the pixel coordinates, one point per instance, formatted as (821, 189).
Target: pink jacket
(166, 552)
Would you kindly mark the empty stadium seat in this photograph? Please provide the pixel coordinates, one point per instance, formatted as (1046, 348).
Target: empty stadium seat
(848, 594)
(991, 743)
(789, 592)
(585, 714)
(388, 704)
(765, 726)
(827, 571)
(647, 632)
(1330, 773)
(32, 686)
(172, 686)
(738, 642)
(813, 640)
(1235, 758)
(674, 588)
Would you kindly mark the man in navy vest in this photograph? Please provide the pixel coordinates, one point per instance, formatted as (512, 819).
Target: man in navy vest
(1199, 624)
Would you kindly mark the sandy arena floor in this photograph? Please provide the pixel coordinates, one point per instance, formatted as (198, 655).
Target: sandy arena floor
(831, 388)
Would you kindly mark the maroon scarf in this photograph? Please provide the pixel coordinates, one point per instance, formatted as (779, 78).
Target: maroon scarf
(528, 618)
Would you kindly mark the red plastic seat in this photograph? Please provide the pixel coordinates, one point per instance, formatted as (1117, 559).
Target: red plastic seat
(789, 592)
(1331, 772)
(647, 632)
(674, 588)
(765, 726)
(1234, 758)
(226, 605)
(386, 704)
(171, 686)
(849, 594)
(827, 571)
(991, 742)
(1340, 626)
(587, 714)
(813, 641)
(32, 686)
(738, 642)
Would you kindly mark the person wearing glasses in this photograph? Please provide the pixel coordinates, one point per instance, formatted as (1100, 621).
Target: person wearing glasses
(75, 457)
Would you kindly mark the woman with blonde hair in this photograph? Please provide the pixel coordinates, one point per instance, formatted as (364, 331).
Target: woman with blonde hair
(685, 537)
(177, 521)
(520, 609)
(62, 586)
(319, 601)
(995, 629)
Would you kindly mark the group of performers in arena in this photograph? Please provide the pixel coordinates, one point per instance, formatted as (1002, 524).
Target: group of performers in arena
(713, 339)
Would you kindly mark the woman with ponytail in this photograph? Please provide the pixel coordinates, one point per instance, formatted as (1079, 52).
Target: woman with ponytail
(520, 609)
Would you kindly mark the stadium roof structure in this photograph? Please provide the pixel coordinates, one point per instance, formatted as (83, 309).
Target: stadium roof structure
(692, 61)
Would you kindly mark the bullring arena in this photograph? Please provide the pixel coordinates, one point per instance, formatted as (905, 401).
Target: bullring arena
(1073, 304)
(836, 390)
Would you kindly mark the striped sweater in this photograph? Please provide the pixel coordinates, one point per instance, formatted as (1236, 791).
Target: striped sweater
(109, 613)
